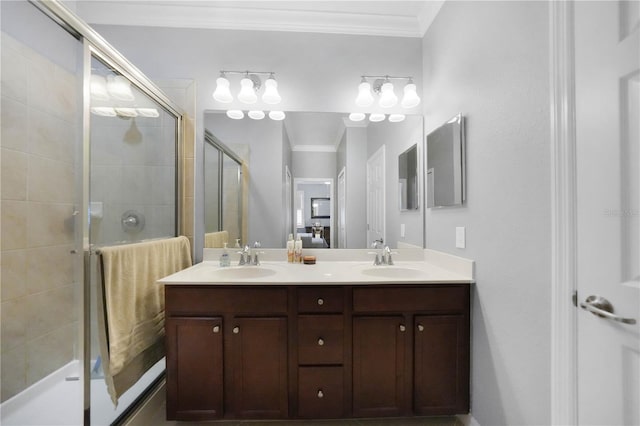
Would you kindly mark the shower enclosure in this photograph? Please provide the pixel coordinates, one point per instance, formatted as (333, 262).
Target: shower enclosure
(90, 154)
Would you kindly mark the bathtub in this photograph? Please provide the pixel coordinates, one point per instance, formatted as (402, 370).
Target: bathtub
(56, 401)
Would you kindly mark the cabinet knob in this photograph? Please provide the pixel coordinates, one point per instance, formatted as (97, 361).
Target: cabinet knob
(236, 330)
(320, 341)
(402, 327)
(320, 301)
(216, 329)
(420, 327)
(320, 393)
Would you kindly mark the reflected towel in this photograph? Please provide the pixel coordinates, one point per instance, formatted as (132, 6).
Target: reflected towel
(132, 307)
(216, 239)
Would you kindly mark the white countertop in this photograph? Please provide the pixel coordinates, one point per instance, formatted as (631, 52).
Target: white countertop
(435, 267)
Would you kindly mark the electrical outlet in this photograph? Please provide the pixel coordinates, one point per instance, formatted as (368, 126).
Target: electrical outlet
(460, 237)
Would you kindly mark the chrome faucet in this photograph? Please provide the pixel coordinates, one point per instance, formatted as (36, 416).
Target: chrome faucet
(245, 256)
(255, 260)
(377, 245)
(386, 257)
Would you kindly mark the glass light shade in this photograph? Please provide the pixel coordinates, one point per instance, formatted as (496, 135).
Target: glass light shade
(277, 115)
(126, 112)
(271, 95)
(387, 97)
(148, 112)
(357, 116)
(104, 111)
(222, 92)
(396, 118)
(99, 88)
(364, 98)
(376, 117)
(247, 94)
(256, 115)
(119, 88)
(410, 98)
(236, 114)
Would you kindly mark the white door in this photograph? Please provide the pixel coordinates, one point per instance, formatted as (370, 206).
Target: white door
(288, 227)
(376, 196)
(342, 210)
(607, 88)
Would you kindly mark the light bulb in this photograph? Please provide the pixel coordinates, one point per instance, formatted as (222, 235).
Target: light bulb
(99, 88)
(126, 112)
(236, 114)
(396, 118)
(387, 97)
(256, 115)
(277, 115)
(376, 117)
(104, 111)
(410, 98)
(247, 93)
(357, 116)
(364, 98)
(222, 92)
(271, 95)
(119, 88)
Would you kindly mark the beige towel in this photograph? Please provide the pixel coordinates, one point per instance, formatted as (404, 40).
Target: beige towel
(132, 306)
(216, 239)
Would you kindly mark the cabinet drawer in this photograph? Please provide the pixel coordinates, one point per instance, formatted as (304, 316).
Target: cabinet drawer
(320, 299)
(194, 300)
(428, 298)
(320, 392)
(320, 339)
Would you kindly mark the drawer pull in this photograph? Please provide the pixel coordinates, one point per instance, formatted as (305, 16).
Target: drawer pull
(320, 394)
(236, 330)
(402, 327)
(420, 327)
(320, 341)
(216, 329)
(320, 301)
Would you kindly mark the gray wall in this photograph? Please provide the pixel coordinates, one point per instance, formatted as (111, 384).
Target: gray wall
(489, 60)
(356, 180)
(314, 164)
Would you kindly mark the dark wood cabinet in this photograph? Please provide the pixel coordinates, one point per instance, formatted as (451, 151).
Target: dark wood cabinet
(273, 352)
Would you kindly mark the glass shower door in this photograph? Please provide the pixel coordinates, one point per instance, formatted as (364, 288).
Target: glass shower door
(133, 193)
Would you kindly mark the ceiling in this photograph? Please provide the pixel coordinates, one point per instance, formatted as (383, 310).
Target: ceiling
(362, 17)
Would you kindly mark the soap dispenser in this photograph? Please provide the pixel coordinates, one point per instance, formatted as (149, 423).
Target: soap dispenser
(290, 249)
(298, 250)
(224, 257)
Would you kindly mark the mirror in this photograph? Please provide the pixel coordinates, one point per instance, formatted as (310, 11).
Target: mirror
(446, 164)
(312, 148)
(320, 208)
(408, 179)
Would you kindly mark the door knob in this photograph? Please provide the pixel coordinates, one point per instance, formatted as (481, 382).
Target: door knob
(601, 307)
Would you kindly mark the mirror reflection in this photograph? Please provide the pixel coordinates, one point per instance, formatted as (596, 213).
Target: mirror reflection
(408, 179)
(282, 161)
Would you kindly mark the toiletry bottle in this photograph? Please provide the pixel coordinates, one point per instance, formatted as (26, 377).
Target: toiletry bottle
(298, 250)
(224, 257)
(290, 248)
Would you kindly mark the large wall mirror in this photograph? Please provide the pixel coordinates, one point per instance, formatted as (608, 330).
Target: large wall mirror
(408, 179)
(323, 156)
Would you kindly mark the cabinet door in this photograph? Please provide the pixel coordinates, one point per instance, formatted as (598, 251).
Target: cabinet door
(194, 368)
(379, 372)
(441, 365)
(258, 368)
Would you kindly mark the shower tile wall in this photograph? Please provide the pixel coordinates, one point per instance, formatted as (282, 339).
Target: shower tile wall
(38, 312)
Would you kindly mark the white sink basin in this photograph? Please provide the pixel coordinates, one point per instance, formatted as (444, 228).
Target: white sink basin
(244, 272)
(393, 272)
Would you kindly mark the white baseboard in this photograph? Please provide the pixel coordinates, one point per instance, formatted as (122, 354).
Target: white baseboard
(467, 420)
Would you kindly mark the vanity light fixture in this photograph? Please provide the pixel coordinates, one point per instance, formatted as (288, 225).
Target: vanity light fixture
(376, 117)
(126, 112)
(104, 111)
(396, 118)
(357, 116)
(277, 115)
(249, 86)
(256, 115)
(383, 86)
(148, 112)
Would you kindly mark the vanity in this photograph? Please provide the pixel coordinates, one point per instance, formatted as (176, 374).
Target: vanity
(338, 339)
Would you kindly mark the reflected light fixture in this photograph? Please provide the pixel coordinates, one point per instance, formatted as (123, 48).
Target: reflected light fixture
(376, 117)
(126, 112)
(99, 88)
(383, 87)
(119, 88)
(357, 116)
(250, 84)
(148, 112)
(256, 115)
(236, 114)
(277, 115)
(396, 118)
(104, 111)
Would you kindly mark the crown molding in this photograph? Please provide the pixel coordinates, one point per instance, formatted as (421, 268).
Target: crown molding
(209, 16)
(428, 15)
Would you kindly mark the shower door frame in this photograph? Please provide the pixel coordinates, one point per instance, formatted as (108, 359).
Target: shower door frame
(94, 45)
